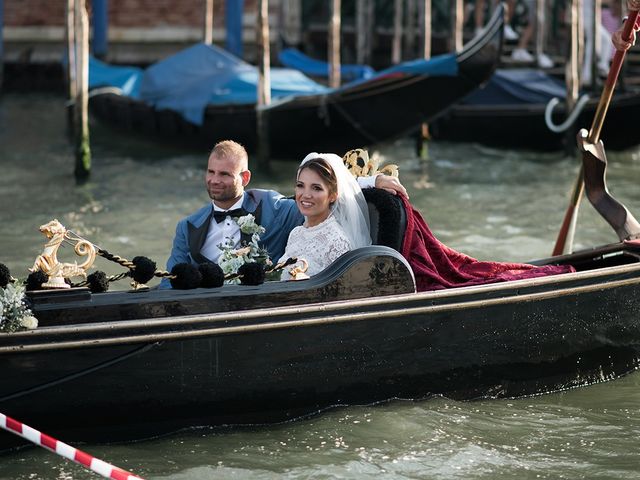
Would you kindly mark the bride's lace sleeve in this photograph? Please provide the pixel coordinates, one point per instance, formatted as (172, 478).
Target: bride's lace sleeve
(319, 246)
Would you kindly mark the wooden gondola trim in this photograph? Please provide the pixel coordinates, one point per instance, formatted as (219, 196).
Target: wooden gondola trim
(474, 289)
(443, 294)
(326, 320)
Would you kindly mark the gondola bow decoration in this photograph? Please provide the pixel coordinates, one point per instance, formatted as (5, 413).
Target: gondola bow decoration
(48, 263)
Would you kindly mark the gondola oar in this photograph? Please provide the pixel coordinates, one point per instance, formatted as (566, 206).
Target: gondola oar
(593, 137)
(67, 451)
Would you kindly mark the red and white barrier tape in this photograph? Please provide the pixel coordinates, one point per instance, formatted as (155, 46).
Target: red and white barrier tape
(94, 464)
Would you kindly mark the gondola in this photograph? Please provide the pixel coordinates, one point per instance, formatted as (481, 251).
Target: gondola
(510, 113)
(127, 365)
(389, 104)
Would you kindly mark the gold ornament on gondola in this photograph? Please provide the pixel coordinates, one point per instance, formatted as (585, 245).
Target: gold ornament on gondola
(359, 164)
(298, 272)
(633, 5)
(48, 262)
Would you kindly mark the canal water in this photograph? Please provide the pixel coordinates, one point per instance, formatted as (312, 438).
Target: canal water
(491, 204)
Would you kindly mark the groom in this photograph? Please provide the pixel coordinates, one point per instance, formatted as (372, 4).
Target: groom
(198, 235)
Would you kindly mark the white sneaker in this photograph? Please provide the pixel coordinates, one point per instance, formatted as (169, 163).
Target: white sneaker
(521, 55)
(510, 33)
(544, 61)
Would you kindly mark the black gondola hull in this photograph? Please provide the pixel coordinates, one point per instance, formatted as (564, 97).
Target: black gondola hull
(354, 116)
(521, 126)
(152, 371)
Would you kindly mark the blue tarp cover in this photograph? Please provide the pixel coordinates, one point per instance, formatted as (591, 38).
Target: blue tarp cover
(294, 58)
(517, 86)
(126, 79)
(440, 66)
(205, 75)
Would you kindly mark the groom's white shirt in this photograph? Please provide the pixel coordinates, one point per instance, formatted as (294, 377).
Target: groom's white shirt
(219, 232)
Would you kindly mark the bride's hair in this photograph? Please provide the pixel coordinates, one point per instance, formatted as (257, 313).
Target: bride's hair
(324, 171)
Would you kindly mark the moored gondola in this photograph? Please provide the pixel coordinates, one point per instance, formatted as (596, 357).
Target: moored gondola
(390, 104)
(513, 112)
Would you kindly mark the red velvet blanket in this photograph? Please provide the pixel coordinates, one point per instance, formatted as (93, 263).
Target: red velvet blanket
(437, 266)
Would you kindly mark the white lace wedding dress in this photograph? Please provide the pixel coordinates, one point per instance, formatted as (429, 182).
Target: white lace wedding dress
(319, 245)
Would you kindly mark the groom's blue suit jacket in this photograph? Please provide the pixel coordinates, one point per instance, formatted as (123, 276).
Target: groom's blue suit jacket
(276, 213)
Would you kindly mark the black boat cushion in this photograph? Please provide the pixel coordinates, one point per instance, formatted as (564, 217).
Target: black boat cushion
(387, 218)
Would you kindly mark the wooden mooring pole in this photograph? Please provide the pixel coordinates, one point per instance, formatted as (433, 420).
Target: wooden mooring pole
(426, 29)
(334, 45)
(72, 86)
(264, 85)
(396, 43)
(81, 124)
(540, 27)
(425, 10)
(458, 23)
(208, 22)
(572, 73)
(573, 69)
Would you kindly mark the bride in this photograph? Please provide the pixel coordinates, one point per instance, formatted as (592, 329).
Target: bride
(335, 211)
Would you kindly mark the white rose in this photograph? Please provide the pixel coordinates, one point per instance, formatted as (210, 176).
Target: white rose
(30, 322)
(246, 220)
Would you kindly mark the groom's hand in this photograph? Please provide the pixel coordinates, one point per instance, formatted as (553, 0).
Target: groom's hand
(391, 185)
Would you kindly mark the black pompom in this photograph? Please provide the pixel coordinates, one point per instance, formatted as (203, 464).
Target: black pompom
(187, 276)
(36, 279)
(5, 275)
(251, 273)
(145, 268)
(212, 275)
(98, 282)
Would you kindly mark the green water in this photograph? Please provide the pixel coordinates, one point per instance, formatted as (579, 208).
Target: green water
(491, 204)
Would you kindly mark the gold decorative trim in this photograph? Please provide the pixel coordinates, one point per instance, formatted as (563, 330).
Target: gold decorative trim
(48, 262)
(359, 164)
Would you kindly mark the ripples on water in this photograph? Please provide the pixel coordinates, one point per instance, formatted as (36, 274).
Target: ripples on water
(583, 433)
(488, 203)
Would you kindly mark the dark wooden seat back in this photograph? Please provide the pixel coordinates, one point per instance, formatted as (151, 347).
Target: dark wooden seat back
(388, 220)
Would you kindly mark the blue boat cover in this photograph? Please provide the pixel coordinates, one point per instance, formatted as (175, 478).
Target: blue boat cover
(205, 75)
(440, 66)
(294, 58)
(517, 86)
(126, 79)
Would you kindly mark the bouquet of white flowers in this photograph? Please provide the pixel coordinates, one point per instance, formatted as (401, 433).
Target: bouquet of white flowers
(233, 258)
(14, 313)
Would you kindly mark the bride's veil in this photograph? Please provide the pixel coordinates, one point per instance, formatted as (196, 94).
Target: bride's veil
(350, 209)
